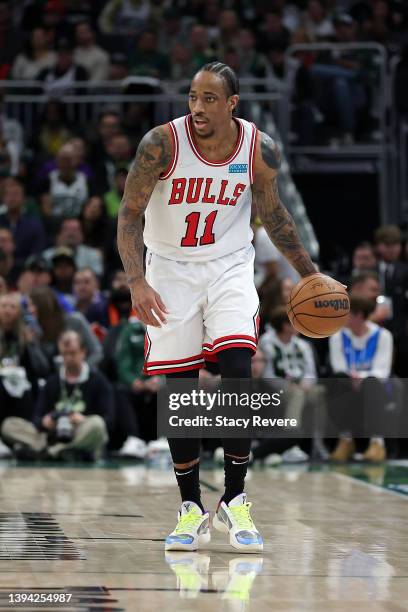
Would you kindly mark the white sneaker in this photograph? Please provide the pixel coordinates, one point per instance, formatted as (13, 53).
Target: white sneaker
(218, 456)
(192, 529)
(157, 446)
(133, 447)
(294, 455)
(236, 520)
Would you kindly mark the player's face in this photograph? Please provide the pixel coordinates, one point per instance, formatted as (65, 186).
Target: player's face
(210, 106)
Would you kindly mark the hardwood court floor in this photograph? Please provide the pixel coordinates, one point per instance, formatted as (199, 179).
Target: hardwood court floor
(333, 543)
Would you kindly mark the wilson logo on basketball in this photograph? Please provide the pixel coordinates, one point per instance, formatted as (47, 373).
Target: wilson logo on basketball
(336, 304)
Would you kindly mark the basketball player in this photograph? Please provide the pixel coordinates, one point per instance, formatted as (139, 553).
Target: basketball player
(195, 179)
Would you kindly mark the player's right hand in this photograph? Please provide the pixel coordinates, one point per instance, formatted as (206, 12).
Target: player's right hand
(148, 304)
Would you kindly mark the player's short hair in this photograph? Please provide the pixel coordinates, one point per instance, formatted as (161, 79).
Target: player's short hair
(227, 74)
(362, 304)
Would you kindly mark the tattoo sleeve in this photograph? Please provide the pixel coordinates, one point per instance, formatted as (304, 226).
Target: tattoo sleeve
(276, 219)
(152, 157)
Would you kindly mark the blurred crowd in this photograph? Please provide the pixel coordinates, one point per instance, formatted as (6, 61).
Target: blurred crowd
(71, 351)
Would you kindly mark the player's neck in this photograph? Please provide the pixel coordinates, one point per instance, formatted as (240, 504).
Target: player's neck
(220, 145)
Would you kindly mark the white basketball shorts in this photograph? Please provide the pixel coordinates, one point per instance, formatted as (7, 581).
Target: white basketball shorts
(212, 306)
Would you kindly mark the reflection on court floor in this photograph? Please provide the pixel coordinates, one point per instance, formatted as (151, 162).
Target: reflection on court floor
(334, 540)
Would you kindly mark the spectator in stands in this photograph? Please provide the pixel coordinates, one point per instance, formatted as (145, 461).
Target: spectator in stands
(71, 236)
(74, 411)
(9, 268)
(66, 189)
(10, 40)
(22, 360)
(272, 294)
(89, 300)
(63, 271)
(360, 359)
(53, 129)
(28, 231)
(59, 79)
(228, 32)
(118, 154)
(272, 31)
(118, 67)
(108, 125)
(143, 389)
(315, 22)
(113, 197)
(53, 321)
(80, 148)
(252, 63)
(98, 228)
(341, 79)
(171, 30)
(3, 285)
(124, 17)
(146, 60)
(11, 136)
(180, 66)
(291, 360)
(363, 259)
(367, 285)
(393, 275)
(201, 52)
(36, 56)
(89, 55)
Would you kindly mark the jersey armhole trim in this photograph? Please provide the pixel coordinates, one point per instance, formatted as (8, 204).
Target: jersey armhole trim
(171, 167)
(252, 150)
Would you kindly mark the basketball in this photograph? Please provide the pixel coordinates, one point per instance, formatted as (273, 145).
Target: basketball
(318, 306)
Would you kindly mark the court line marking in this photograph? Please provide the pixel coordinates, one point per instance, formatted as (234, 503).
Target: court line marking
(370, 485)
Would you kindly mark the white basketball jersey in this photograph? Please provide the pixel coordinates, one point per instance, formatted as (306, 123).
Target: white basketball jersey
(200, 209)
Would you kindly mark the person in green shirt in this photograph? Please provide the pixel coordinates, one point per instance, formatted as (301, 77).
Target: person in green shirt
(113, 197)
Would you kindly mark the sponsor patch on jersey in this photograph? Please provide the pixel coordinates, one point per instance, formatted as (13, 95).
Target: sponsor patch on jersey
(238, 168)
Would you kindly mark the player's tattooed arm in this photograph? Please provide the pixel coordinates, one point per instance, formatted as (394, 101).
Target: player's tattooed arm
(153, 156)
(275, 217)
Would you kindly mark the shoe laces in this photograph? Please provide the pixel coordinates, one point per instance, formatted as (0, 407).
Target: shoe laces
(242, 516)
(188, 521)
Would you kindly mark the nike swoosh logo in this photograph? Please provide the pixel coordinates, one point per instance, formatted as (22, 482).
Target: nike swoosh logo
(183, 473)
(239, 462)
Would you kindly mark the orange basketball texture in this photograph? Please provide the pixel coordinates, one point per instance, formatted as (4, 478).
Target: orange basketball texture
(318, 306)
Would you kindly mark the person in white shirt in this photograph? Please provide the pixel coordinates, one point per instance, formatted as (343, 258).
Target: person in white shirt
(89, 55)
(361, 360)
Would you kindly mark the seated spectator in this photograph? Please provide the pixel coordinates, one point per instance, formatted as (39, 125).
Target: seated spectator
(146, 60)
(66, 190)
(35, 57)
(53, 320)
(180, 65)
(124, 17)
(89, 300)
(28, 231)
(118, 67)
(273, 32)
(118, 154)
(360, 359)
(291, 360)
(342, 79)
(201, 51)
(59, 79)
(37, 273)
(74, 411)
(108, 125)
(98, 228)
(227, 34)
(10, 38)
(63, 269)
(363, 259)
(53, 129)
(11, 129)
(9, 267)
(315, 22)
(88, 54)
(80, 147)
(273, 293)
(113, 197)
(367, 285)
(22, 360)
(71, 236)
(143, 389)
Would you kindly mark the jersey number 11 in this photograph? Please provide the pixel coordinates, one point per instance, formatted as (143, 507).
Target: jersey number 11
(190, 239)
